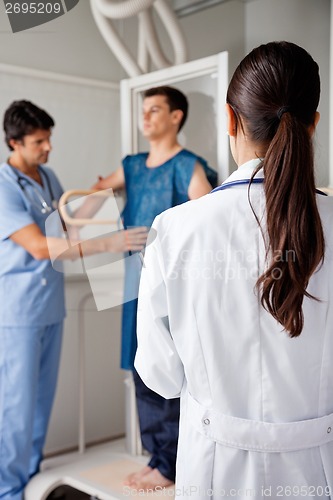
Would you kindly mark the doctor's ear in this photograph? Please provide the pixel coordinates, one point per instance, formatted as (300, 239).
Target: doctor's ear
(14, 143)
(231, 120)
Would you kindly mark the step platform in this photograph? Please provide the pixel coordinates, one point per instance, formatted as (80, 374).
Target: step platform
(99, 475)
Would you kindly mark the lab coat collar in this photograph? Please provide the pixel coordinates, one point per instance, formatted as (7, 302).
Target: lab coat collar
(245, 171)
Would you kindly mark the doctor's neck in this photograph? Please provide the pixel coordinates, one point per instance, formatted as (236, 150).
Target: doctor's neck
(244, 150)
(28, 168)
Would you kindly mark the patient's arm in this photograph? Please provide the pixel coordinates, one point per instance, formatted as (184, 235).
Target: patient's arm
(115, 181)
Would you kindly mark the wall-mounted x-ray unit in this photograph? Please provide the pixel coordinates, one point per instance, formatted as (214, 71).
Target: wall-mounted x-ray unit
(204, 82)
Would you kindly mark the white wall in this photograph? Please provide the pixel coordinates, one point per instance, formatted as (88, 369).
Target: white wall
(73, 45)
(238, 26)
(330, 129)
(307, 23)
(86, 114)
(216, 29)
(104, 390)
(70, 44)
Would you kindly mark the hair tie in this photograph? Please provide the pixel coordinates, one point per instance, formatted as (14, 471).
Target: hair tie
(282, 110)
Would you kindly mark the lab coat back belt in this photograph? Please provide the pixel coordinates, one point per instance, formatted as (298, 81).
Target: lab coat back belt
(259, 436)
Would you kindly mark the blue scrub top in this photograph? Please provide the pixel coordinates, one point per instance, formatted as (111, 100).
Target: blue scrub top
(31, 291)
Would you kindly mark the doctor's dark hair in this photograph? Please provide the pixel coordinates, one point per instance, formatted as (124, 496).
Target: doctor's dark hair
(23, 118)
(274, 94)
(174, 97)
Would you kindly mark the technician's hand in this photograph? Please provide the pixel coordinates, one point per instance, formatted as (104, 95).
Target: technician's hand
(130, 239)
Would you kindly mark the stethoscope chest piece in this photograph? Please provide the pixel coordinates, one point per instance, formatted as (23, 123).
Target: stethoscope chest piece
(45, 207)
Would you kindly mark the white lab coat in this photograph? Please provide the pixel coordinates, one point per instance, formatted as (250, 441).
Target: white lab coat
(250, 395)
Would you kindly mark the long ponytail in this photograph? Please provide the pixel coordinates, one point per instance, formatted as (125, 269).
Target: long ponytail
(296, 240)
(275, 93)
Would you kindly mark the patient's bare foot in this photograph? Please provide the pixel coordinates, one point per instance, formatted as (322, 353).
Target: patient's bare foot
(133, 478)
(152, 480)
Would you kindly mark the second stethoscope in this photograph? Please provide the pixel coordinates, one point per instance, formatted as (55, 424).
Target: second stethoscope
(45, 207)
(240, 182)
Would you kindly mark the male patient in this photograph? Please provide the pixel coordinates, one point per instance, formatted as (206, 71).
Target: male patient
(165, 176)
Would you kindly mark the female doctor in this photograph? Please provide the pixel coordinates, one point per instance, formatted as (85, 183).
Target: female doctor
(236, 300)
(32, 293)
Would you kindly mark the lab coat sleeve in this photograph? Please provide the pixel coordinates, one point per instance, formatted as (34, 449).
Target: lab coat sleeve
(157, 360)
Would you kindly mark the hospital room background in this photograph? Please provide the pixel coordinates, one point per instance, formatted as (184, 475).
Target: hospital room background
(66, 67)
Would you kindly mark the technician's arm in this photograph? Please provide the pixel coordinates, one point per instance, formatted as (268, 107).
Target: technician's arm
(199, 185)
(41, 247)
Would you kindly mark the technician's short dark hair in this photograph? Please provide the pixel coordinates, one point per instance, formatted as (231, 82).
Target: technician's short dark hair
(22, 118)
(174, 97)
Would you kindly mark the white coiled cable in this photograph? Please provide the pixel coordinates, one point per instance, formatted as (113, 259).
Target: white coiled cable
(148, 43)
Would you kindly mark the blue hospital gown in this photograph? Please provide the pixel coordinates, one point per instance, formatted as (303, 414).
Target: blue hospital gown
(150, 191)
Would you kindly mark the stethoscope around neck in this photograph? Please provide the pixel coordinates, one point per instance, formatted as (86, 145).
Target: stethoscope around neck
(22, 181)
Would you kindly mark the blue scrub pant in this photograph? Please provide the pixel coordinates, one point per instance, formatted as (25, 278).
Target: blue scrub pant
(159, 427)
(29, 361)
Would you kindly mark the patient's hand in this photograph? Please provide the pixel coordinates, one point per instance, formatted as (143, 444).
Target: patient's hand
(102, 183)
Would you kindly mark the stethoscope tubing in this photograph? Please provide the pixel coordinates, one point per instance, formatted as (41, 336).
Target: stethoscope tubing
(46, 208)
(227, 185)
